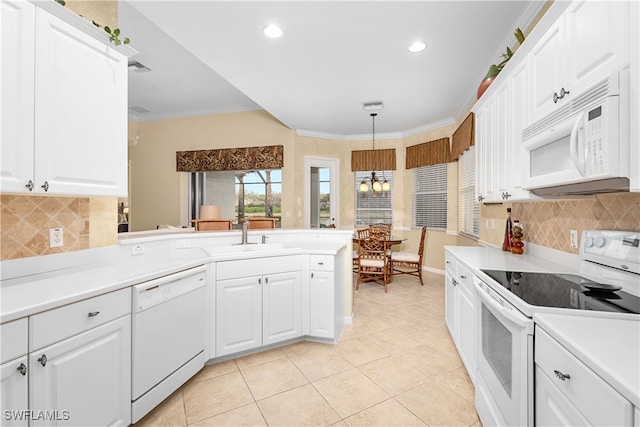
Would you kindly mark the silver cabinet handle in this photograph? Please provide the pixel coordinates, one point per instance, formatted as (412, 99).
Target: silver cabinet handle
(561, 375)
(454, 282)
(45, 186)
(29, 185)
(463, 277)
(94, 313)
(259, 280)
(321, 263)
(266, 280)
(43, 360)
(22, 369)
(312, 275)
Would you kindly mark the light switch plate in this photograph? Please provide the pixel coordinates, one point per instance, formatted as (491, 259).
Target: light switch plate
(573, 239)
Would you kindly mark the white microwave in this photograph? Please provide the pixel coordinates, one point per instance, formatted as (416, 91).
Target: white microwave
(583, 147)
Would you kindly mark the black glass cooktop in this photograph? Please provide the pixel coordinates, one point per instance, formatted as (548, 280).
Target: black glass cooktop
(565, 291)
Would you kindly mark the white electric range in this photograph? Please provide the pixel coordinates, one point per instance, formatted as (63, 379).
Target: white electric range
(607, 285)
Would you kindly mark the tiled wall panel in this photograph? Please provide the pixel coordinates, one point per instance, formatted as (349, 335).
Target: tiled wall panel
(548, 223)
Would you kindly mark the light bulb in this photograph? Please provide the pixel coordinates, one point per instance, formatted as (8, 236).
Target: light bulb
(377, 186)
(364, 187)
(386, 186)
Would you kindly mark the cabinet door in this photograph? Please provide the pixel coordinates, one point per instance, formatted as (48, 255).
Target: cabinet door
(85, 379)
(467, 331)
(518, 116)
(321, 304)
(451, 305)
(547, 62)
(80, 112)
(238, 315)
(484, 135)
(500, 166)
(14, 392)
(282, 305)
(552, 406)
(17, 36)
(597, 41)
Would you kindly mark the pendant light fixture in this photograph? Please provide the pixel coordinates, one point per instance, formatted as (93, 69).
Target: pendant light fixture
(376, 185)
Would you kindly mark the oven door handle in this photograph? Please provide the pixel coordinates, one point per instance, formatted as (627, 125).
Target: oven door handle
(489, 297)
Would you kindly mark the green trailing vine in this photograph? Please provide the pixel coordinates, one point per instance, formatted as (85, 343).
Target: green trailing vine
(114, 35)
(494, 69)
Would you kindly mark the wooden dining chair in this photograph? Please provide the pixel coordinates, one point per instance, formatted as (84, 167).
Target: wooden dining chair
(361, 233)
(373, 262)
(256, 223)
(409, 263)
(382, 225)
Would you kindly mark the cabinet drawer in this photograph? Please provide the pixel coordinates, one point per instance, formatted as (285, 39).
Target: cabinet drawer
(14, 339)
(321, 262)
(450, 263)
(464, 276)
(257, 266)
(60, 323)
(591, 395)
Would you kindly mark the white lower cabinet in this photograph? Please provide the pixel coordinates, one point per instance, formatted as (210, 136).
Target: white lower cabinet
(84, 380)
(321, 304)
(326, 296)
(14, 392)
(569, 393)
(460, 311)
(257, 310)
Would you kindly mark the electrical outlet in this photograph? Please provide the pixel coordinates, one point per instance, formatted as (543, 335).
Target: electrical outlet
(137, 249)
(56, 237)
(573, 240)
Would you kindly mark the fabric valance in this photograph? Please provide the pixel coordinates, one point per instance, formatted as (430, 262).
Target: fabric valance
(428, 153)
(463, 137)
(227, 159)
(373, 160)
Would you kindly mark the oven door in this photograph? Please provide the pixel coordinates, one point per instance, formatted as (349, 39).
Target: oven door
(504, 393)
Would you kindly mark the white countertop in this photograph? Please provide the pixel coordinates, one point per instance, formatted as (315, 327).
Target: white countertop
(61, 283)
(32, 294)
(609, 347)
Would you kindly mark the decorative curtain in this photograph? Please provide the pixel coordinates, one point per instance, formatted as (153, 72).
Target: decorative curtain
(463, 137)
(428, 153)
(227, 159)
(373, 160)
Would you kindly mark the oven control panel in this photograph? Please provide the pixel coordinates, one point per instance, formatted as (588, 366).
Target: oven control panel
(618, 249)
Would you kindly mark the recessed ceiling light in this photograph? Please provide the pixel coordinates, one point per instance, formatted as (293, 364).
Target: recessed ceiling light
(417, 46)
(272, 31)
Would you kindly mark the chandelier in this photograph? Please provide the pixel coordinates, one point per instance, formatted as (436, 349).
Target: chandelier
(376, 184)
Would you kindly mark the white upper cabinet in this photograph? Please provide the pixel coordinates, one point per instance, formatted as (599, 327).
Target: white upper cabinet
(589, 41)
(67, 117)
(18, 41)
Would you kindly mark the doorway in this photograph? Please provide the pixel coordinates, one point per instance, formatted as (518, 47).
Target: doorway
(321, 187)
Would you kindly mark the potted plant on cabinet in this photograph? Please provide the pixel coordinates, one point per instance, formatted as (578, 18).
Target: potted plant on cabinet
(494, 69)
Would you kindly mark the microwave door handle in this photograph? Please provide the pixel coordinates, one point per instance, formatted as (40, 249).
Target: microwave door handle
(574, 146)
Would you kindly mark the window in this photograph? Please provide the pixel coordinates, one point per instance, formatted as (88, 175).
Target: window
(238, 193)
(372, 207)
(468, 208)
(430, 197)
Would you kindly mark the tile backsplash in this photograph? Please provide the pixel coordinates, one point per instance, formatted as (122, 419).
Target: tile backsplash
(548, 223)
(26, 220)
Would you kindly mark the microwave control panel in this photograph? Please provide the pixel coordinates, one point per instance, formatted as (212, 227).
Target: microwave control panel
(593, 136)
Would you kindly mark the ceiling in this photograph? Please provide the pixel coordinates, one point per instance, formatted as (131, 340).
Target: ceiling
(209, 57)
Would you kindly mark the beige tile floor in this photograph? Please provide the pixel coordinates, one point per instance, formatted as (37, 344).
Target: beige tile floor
(396, 365)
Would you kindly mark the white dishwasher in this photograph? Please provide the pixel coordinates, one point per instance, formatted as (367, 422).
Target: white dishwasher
(168, 335)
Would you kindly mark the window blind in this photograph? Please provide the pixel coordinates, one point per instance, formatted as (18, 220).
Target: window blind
(430, 197)
(468, 206)
(372, 207)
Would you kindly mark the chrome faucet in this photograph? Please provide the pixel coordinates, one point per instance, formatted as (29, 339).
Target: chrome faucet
(245, 227)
